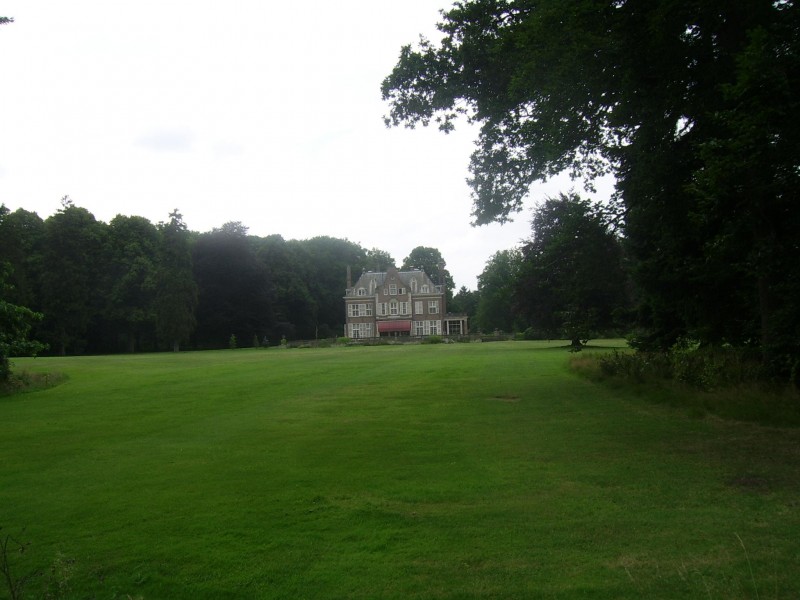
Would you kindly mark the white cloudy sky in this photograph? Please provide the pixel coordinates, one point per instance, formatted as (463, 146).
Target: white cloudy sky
(263, 112)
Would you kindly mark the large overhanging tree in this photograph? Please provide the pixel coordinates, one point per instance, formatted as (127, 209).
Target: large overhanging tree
(692, 105)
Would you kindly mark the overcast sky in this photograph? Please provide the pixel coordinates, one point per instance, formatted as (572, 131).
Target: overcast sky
(263, 112)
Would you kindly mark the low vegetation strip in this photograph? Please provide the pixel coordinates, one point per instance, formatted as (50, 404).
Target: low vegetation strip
(424, 471)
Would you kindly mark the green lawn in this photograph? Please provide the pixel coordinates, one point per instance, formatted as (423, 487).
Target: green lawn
(440, 471)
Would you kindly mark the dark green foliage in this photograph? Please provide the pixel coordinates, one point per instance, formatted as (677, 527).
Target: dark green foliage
(176, 290)
(571, 281)
(131, 286)
(466, 302)
(693, 106)
(496, 309)
(131, 274)
(431, 261)
(15, 327)
(379, 260)
(234, 290)
(71, 275)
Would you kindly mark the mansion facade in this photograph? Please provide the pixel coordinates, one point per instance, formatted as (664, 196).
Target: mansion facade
(398, 303)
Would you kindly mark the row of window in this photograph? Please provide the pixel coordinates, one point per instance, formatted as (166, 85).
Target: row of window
(359, 310)
(420, 328)
(393, 290)
(393, 308)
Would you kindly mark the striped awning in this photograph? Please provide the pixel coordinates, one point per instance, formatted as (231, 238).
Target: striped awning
(390, 326)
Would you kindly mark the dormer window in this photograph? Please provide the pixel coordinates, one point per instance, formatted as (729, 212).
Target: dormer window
(362, 292)
(425, 288)
(413, 286)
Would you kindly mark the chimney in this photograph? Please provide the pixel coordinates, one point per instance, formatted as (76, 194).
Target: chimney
(349, 278)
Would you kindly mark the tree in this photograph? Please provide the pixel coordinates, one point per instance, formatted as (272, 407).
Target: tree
(288, 268)
(571, 281)
(71, 267)
(132, 257)
(15, 326)
(176, 297)
(430, 260)
(21, 237)
(496, 309)
(15, 320)
(466, 302)
(379, 260)
(234, 290)
(693, 106)
(327, 261)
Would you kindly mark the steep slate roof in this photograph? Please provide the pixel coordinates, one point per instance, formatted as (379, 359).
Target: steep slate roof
(405, 277)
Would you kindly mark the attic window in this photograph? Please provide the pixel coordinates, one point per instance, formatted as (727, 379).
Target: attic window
(362, 292)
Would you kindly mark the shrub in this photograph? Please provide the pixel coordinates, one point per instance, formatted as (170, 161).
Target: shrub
(432, 339)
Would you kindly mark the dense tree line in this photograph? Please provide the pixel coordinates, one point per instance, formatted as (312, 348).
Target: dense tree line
(692, 106)
(568, 281)
(131, 285)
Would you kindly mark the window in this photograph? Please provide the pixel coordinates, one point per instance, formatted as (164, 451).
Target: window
(393, 307)
(401, 291)
(393, 289)
(413, 286)
(425, 288)
(433, 307)
(362, 292)
(418, 310)
(382, 309)
(419, 328)
(404, 308)
(359, 310)
(431, 327)
(359, 330)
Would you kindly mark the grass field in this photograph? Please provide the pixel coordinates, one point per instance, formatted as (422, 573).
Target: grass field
(440, 471)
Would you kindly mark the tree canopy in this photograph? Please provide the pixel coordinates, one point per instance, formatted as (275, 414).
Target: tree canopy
(571, 280)
(692, 106)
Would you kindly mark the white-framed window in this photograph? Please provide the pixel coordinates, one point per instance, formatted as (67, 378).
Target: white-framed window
(393, 307)
(418, 310)
(372, 286)
(393, 289)
(404, 308)
(419, 328)
(432, 327)
(360, 330)
(359, 310)
(413, 286)
(382, 309)
(401, 291)
(362, 292)
(433, 307)
(425, 288)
